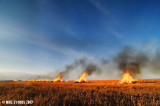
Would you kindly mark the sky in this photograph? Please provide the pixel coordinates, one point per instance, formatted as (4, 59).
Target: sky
(41, 36)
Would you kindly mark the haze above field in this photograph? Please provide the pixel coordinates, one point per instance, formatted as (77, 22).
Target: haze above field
(43, 36)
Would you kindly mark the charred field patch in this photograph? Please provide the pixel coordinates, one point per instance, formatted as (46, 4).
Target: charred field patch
(106, 92)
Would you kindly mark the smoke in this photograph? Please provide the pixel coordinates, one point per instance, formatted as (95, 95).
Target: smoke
(86, 64)
(92, 68)
(43, 76)
(72, 66)
(154, 64)
(67, 69)
(131, 59)
(128, 58)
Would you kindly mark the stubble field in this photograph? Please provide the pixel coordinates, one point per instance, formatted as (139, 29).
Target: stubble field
(102, 92)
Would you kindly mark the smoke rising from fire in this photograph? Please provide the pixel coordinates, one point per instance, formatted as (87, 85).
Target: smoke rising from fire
(42, 76)
(131, 60)
(154, 64)
(86, 64)
(128, 58)
(91, 68)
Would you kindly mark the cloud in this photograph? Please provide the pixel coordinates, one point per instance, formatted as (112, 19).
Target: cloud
(98, 5)
(105, 10)
(151, 44)
(9, 31)
(115, 33)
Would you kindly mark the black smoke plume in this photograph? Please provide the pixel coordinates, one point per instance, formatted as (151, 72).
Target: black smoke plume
(86, 64)
(92, 68)
(130, 59)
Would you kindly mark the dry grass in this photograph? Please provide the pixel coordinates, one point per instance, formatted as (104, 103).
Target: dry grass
(145, 92)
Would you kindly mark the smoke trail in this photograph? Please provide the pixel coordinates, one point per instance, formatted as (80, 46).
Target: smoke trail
(127, 58)
(74, 65)
(86, 64)
(130, 59)
(155, 64)
(43, 76)
(92, 68)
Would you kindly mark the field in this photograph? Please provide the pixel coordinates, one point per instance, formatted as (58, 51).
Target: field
(102, 92)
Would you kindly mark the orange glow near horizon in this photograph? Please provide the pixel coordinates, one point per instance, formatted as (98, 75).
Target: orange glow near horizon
(44, 80)
(32, 80)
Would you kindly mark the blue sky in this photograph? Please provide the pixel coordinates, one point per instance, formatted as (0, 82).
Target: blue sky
(40, 36)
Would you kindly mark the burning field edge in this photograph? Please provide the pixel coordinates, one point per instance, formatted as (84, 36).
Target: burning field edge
(93, 92)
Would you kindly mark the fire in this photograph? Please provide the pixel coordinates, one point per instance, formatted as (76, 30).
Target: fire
(14, 80)
(43, 80)
(58, 79)
(32, 80)
(82, 78)
(127, 78)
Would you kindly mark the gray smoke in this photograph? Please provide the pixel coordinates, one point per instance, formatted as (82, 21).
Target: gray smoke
(154, 64)
(86, 64)
(74, 65)
(92, 68)
(43, 76)
(130, 59)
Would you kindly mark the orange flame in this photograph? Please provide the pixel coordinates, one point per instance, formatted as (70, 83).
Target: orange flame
(14, 80)
(32, 80)
(43, 80)
(58, 79)
(127, 78)
(82, 78)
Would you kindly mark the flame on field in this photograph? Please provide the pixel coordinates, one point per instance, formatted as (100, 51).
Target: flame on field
(43, 80)
(58, 79)
(14, 80)
(127, 78)
(32, 80)
(82, 78)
